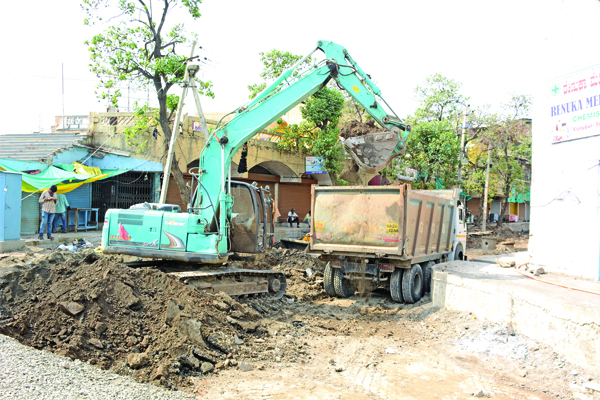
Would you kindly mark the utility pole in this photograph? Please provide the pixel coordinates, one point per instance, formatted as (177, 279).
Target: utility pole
(62, 67)
(128, 89)
(462, 144)
(175, 133)
(200, 113)
(485, 191)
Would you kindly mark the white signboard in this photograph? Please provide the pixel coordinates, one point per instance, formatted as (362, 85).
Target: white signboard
(575, 105)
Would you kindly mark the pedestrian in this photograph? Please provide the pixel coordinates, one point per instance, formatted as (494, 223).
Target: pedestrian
(60, 212)
(293, 217)
(307, 219)
(48, 200)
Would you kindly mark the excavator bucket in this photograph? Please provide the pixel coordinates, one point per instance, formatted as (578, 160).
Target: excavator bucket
(374, 151)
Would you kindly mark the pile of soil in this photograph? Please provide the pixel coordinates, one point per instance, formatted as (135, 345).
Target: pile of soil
(355, 128)
(502, 234)
(140, 322)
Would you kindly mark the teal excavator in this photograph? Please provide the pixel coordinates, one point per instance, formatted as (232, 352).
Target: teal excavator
(229, 220)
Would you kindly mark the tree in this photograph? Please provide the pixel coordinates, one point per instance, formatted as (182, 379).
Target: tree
(512, 148)
(439, 100)
(275, 63)
(318, 133)
(141, 47)
(432, 150)
(508, 136)
(475, 165)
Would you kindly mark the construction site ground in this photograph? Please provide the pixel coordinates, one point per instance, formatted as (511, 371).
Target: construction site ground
(144, 324)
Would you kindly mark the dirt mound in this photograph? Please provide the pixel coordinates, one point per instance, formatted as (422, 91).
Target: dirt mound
(139, 322)
(355, 128)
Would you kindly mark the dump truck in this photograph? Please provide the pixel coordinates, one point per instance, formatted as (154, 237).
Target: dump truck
(385, 237)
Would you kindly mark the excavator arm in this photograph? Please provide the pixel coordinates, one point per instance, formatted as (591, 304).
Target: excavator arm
(277, 99)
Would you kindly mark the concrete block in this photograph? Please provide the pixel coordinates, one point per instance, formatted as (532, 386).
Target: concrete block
(488, 243)
(11, 245)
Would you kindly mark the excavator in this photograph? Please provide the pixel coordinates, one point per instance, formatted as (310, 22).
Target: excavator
(229, 220)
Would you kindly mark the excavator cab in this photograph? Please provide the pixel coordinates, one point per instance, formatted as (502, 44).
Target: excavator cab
(252, 228)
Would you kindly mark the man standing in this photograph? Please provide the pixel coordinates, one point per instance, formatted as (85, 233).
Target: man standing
(293, 217)
(60, 212)
(48, 200)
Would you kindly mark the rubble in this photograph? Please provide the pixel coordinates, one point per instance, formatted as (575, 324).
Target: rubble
(141, 322)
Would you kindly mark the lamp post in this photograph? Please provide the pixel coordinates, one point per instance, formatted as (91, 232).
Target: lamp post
(485, 190)
(462, 143)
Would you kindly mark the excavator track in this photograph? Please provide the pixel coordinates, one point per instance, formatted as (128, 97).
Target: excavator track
(236, 282)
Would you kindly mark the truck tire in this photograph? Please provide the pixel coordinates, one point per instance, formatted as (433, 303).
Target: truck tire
(412, 284)
(459, 253)
(396, 285)
(427, 274)
(342, 289)
(328, 280)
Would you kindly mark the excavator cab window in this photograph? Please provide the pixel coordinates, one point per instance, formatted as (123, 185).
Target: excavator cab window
(245, 218)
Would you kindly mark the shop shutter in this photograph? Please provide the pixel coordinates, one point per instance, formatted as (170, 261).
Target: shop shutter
(79, 198)
(293, 196)
(30, 213)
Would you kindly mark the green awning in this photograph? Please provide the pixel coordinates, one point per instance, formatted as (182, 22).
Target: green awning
(64, 179)
(519, 197)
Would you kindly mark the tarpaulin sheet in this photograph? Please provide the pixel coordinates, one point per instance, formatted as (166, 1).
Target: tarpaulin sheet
(64, 179)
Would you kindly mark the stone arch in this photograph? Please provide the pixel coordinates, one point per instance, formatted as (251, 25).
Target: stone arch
(286, 174)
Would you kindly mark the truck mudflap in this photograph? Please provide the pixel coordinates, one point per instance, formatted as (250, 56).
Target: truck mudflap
(236, 281)
(168, 254)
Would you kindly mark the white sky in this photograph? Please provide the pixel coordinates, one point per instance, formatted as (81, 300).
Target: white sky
(493, 48)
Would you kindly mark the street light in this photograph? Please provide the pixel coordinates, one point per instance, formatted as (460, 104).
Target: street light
(462, 143)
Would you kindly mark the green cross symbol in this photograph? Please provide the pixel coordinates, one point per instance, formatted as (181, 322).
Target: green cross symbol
(555, 90)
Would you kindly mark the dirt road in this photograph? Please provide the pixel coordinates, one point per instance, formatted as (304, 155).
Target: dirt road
(368, 349)
(305, 346)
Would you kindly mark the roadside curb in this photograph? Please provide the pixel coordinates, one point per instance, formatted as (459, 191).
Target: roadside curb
(566, 320)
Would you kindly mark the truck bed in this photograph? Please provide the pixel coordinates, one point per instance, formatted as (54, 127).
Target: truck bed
(392, 222)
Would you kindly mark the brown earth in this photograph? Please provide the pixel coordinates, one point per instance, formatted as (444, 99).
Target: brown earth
(143, 323)
(502, 235)
(355, 128)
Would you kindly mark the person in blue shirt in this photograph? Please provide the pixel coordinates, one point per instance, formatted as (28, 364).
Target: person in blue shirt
(62, 205)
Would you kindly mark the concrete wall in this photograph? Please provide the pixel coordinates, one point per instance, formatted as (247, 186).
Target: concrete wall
(565, 227)
(188, 146)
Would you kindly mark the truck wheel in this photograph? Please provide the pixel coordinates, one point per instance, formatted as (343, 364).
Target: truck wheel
(342, 289)
(396, 286)
(328, 280)
(412, 284)
(458, 253)
(427, 274)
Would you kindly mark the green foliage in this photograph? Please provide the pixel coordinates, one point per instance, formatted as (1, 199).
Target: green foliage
(323, 108)
(145, 121)
(318, 133)
(327, 146)
(142, 46)
(275, 63)
(432, 149)
(439, 100)
(139, 48)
